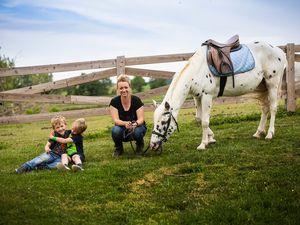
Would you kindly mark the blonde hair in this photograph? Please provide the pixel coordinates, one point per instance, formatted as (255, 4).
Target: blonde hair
(80, 125)
(57, 120)
(124, 78)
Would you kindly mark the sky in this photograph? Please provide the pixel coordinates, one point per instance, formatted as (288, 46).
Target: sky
(41, 32)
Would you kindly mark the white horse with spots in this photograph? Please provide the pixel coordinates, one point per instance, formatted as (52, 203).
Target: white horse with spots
(196, 78)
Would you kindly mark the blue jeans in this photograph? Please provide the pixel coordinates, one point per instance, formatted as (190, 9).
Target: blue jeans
(49, 160)
(138, 134)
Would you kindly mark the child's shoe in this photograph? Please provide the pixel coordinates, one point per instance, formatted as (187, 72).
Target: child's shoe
(77, 167)
(21, 169)
(62, 167)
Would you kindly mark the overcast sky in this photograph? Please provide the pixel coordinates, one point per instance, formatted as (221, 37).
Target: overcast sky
(38, 32)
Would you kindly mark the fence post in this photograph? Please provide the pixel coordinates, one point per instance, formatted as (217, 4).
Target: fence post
(120, 65)
(290, 78)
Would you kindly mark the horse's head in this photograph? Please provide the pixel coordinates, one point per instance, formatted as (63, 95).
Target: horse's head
(164, 125)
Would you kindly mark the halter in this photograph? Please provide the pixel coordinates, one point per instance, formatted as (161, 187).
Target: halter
(164, 136)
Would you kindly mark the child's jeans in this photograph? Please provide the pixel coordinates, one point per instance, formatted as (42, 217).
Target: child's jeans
(50, 160)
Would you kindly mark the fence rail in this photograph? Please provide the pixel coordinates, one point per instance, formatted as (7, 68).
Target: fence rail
(98, 64)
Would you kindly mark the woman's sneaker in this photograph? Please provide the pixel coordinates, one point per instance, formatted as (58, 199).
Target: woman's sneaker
(118, 151)
(77, 167)
(62, 167)
(139, 149)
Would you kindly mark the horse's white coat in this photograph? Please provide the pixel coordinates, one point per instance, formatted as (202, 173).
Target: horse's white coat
(196, 78)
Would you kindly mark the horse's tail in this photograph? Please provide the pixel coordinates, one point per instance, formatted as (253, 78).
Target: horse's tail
(280, 87)
(283, 73)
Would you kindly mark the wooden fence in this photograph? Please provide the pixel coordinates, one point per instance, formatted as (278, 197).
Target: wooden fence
(115, 67)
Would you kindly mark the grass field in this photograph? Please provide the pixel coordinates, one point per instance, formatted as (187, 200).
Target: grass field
(238, 180)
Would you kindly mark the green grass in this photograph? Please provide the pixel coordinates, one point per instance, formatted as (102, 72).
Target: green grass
(238, 180)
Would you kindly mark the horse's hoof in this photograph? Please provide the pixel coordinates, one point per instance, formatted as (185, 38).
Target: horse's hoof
(258, 134)
(201, 147)
(269, 136)
(212, 141)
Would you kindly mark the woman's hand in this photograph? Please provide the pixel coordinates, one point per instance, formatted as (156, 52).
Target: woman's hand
(128, 125)
(134, 124)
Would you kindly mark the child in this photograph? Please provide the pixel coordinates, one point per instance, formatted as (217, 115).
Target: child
(53, 150)
(74, 149)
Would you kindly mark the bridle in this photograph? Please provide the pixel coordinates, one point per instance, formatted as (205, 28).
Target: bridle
(164, 135)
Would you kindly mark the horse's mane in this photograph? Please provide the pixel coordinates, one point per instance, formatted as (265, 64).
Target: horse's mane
(175, 80)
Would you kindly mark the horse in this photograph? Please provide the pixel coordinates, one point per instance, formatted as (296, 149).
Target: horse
(196, 78)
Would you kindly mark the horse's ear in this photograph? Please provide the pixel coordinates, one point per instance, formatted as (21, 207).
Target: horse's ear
(154, 103)
(167, 106)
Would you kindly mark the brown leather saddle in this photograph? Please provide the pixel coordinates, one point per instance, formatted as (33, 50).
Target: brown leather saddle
(218, 56)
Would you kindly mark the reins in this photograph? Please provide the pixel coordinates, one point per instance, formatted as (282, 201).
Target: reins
(158, 150)
(129, 135)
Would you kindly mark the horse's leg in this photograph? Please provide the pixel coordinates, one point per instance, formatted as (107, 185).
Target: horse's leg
(198, 119)
(206, 102)
(273, 85)
(273, 109)
(211, 135)
(198, 109)
(264, 115)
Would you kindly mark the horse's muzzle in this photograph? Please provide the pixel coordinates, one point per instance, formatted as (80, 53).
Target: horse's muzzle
(155, 146)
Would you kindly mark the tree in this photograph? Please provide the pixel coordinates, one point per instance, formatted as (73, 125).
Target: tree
(14, 82)
(95, 88)
(137, 84)
(155, 83)
(5, 62)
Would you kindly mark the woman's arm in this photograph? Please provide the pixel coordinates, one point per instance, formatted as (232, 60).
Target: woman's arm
(140, 116)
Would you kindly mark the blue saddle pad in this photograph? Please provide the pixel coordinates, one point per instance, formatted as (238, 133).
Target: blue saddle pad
(242, 61)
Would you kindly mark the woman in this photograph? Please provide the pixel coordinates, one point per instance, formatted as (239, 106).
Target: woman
(127, 112)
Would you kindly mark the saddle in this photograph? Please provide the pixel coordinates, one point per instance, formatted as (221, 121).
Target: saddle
(218, 56)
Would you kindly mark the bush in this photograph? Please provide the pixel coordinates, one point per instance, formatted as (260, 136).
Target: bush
(33, 110)
(54, 109)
